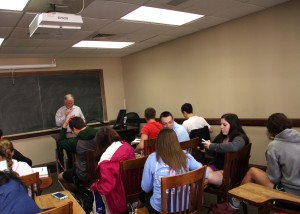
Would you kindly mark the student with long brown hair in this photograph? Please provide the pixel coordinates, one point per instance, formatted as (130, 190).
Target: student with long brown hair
(167, 160)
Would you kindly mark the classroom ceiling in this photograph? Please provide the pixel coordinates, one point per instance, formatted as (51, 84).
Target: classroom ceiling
(102, 18)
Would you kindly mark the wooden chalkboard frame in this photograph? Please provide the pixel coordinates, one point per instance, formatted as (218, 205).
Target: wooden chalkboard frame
(13, 75)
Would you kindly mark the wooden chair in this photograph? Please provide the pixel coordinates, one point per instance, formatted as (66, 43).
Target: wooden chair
(202, 133)
(132, 173)
(191, 146)
(187, 187)
(63, 209)
(149, 146)
(91, 165)
(235, 168)
(263, 198)
(32, 182)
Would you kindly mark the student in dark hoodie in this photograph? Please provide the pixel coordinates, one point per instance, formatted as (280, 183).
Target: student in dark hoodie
(283, 162)
(84, 141)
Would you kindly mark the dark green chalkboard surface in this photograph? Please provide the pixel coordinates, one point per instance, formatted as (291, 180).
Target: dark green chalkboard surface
(29, 103)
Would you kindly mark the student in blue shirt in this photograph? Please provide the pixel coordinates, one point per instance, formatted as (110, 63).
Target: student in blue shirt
(167, 160)
(167, 121)
(14, 197)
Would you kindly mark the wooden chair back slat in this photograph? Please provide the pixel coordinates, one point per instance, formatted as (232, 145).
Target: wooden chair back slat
(132, 172)
(191, 146)
(187, 188)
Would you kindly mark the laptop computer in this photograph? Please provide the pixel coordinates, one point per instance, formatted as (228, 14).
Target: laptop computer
(120, 118)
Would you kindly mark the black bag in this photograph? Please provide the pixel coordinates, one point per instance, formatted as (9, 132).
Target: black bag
(85, 198)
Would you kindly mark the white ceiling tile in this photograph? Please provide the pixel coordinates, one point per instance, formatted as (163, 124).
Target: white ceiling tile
(265, 3)
(92, 24)
(108, 10)
(9, 19)
(57, 43)
(160, 39)
(26, 20)
(238, 10)
(5, 31)
(23, 42)
(205, 22)
(136, 37)
(121, 27)
(180, 31)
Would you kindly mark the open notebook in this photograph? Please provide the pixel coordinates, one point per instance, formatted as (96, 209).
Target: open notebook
(43, 171)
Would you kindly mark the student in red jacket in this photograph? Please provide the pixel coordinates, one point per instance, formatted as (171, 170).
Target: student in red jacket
(110, 151)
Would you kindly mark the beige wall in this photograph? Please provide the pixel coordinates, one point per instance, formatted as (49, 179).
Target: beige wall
(249, 66)
(41, 149)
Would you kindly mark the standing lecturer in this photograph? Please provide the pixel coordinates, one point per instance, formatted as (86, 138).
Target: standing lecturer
(69, 109)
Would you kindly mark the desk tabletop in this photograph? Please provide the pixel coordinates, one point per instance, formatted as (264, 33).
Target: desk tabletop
(48, 201)
(259, 194)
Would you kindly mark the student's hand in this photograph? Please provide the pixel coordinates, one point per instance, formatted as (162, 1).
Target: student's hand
(206, 144)
(66, 123)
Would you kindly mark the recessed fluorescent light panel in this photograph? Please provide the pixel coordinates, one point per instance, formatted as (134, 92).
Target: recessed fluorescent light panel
(1, 40)
(102, 44)
(17, 5)
(160, 16)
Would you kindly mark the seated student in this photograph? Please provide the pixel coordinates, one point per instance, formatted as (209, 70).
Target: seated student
(167, 160)
(17, 155)
(150, 130)
(81, 131)
(167, 121)
(193, 121)
(110, 151)
(7, 163)
(283, 161)
(232, 138)
(84, 141)
(14, 197)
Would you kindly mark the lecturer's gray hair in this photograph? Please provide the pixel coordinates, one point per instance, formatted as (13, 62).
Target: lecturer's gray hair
(69, 97)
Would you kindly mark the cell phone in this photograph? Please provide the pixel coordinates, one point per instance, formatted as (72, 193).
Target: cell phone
(59, 195)
(203, 140)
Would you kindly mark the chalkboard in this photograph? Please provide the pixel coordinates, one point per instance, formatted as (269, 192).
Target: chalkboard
(29, 103)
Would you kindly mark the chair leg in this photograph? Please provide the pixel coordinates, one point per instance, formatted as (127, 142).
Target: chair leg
(262, 210)
(245, 209)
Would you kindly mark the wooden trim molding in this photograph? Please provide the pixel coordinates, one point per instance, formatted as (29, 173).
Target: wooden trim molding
(258, 122)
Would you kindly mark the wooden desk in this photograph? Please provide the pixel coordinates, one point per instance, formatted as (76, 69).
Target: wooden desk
(260, 196)
(46, 182)
(48, 201)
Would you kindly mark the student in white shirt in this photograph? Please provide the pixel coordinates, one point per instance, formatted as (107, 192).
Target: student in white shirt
(193, 121)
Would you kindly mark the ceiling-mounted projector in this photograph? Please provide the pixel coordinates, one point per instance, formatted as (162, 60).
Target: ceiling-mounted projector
(58, 23)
